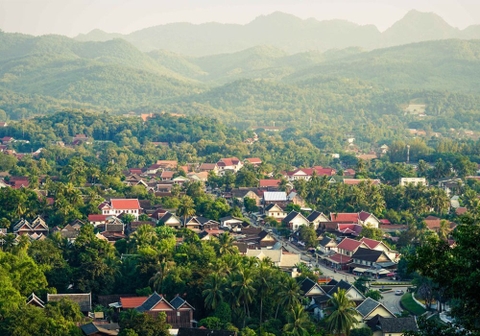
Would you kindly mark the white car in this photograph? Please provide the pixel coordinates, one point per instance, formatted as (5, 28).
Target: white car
(399, 292)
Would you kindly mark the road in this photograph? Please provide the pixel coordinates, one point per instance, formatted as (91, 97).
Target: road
(392, 301)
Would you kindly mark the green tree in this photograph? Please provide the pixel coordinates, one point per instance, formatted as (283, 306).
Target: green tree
(213, 292)
(186, 208)
(298, 321)
(343, 316)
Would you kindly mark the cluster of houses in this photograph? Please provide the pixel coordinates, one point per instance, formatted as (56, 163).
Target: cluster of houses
(371, 313)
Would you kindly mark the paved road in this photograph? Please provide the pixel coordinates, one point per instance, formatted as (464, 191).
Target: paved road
(392, 301)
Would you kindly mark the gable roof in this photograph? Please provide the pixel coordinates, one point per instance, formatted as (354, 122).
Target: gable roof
(292, 215)
(269, 183)
(315, 215)
(208, 166)
(349, 244)
(125, 203)
(93, 328)
(342, 284)
(151, 302)
(132, 302)
(369, 305)
(367, 254)
(271, 206)
(398, 325)
(307, 285)
(325, 241)
(35, 300)
(84, 300)
(344, 217)
(370, 242)
(253, 160)
(177, 302)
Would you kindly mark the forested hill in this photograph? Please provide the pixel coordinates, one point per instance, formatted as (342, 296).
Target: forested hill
(263, 85)
(288, 33)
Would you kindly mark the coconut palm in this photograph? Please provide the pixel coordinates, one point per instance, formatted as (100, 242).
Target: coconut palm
(343, 316)
(289, 294)
(263, 282)
(439, 200)
(144, 236)
(186, 208)
(242, 287)
(297, 321)
(225, 244)
(213, 290)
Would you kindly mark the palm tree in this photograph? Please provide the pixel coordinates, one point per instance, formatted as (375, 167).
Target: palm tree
(297, 321)
(162, 270)
(225, 244)
(343, 316)
(144, 236)
(213, 291)
(186, 208)
(263, 282)
(289, 294)
(242, 286)
(439, 200)
(444, 229)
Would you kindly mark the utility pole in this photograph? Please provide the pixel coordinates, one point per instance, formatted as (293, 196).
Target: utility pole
(408, 154)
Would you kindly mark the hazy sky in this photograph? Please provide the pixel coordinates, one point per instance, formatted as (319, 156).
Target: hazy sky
(71, 17)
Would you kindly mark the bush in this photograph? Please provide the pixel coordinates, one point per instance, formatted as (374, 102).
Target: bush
(361, 332)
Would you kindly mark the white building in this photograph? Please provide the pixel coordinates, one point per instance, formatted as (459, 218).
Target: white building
(119, 206)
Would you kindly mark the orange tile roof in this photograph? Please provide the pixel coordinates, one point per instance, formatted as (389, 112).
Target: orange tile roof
(269, 183)
(132, 302)
(123, 204)
(344, 217)
(349, 244)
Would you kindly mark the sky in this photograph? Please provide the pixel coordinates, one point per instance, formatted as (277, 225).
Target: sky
(71, 17)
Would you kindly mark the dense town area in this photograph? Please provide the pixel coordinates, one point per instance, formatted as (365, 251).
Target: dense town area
(171, 225)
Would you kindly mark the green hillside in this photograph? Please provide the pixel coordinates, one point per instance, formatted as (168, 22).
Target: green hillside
(452, 65)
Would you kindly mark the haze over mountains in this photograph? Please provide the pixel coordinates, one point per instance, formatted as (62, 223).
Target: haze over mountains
(288, 33)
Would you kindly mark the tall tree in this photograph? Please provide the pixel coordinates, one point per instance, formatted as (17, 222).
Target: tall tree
(343, 316)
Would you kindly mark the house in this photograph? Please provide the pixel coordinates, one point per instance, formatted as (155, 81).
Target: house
(279, 197)
(229, 222)
(349, 246)
(269, 184)
(451, 186)
(81, 138)
(119, 206)
(350, 291)
(275, 211)
(370, 308)
(310, 288)
(209, 167)
(7, 140)
(382, 326)
(84, 300)
(201, 176)
(296, 199)
(316, 218)
(35, 301)
(368, 219)
(256, 238)
(244, 192)
(167, 164)
(100, 329)
(204, 332)
(169, 219)
(153, 169)
(96, 220)
(180, 180)
(232, 164)
(280, 258)
(370, 261)
(413, 180)
(36, 228)
(178, 311)
(380, 246)
(327, 245)
(294, 220)
(167, 175)
(18, 182)
(433, 223)
(349, 173)
(253, 161)
(198, 223)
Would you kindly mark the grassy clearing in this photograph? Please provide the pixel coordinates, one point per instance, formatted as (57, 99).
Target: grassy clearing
(409, 304)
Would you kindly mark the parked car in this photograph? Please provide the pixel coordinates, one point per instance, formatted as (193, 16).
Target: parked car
(399, 292)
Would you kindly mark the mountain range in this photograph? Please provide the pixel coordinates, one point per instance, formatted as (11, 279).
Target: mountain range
(287, 33)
